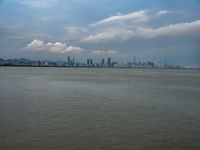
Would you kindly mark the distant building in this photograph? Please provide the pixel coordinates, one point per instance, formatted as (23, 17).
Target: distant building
(46, 63)
(91, 61)
(102, 62)
(68, 60)
(150, 64)
(88, 61)
(109, 62)
(72, 62)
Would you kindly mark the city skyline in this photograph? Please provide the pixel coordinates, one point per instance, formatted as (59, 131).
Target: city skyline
(91, 63)
(159, 31)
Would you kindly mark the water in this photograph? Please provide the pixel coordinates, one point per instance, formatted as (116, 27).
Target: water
(95, 109)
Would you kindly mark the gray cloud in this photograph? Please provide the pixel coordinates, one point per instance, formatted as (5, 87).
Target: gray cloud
(74, 33)
(38, 3)
(7, 25)
(104, 52)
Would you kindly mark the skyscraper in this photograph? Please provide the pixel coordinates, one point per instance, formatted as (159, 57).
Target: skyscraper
(91, 62)
(73, 62)
(68, 60)
(102, 62)
(88, 62)
(109, 62)
(134, 62)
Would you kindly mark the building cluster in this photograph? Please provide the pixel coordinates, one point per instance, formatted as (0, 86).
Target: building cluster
(104, 63)
(46, 63)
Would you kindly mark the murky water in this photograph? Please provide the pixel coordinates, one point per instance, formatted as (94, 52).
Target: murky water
(94, 109)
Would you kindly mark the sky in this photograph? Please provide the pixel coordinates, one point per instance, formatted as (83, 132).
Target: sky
(162, 31)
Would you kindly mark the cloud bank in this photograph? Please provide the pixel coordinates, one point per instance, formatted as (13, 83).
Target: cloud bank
(57, 47)
(189, 28)
(121, 34)
(134, 17)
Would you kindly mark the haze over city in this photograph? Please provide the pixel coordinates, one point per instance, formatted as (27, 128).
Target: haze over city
(161, 31)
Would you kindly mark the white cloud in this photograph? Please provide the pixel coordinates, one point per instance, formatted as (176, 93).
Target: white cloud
(190, 28)
(38, 3)
(135, 17)
(57, 47)
(163, 12)
(103, 52)
(108, 35)
(106, 53)
(37, 45)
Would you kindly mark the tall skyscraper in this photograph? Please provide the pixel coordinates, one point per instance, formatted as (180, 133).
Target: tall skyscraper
(109, 61)
(88, 61)
(68, 60)
(91, 61)
(102, 62)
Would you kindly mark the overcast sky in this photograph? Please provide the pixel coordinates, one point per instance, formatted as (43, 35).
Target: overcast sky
(155, 30)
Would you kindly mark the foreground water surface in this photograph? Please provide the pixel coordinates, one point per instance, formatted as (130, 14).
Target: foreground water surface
(94, 109)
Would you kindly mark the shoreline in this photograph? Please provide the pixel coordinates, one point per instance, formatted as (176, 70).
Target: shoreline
(93, 67)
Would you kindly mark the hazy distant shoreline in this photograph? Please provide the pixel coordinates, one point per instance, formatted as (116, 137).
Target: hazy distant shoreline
(155, 68)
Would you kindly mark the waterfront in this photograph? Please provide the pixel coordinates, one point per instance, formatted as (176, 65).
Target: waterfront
(93, 109)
